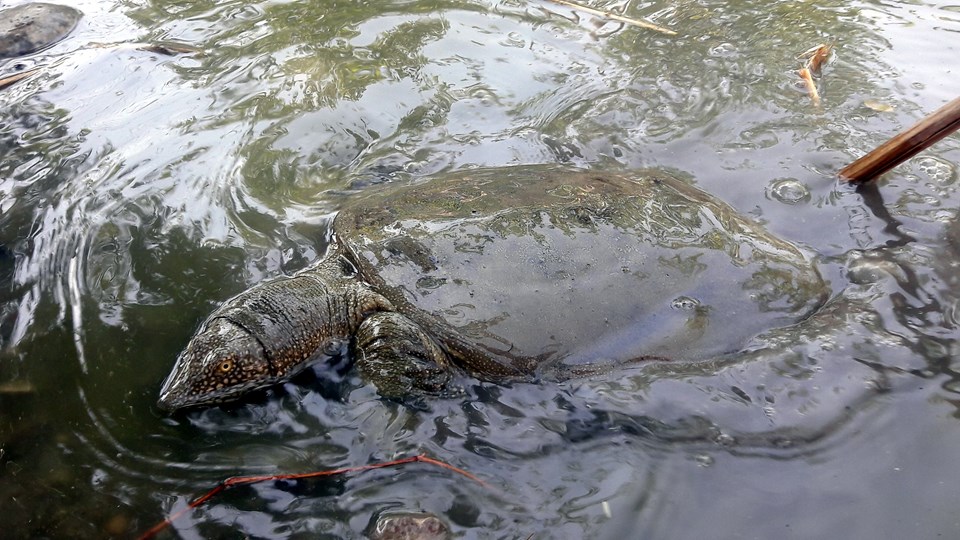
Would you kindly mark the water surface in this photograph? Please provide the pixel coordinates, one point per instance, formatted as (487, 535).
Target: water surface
(138, 191)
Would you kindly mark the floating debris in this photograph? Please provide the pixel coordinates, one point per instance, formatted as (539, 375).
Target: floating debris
(168, 49)
(807, 77)
(615, 17)
(246, 480)
(877, 105)
(164, 48)
(17, 387)
(815, 58)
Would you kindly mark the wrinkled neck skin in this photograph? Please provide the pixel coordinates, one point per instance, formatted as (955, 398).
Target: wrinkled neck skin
(458, 350)
(272, 331)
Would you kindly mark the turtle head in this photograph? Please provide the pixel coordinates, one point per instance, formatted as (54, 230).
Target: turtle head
(222, 362)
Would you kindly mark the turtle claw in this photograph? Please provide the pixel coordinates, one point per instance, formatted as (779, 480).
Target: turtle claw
(399, 358)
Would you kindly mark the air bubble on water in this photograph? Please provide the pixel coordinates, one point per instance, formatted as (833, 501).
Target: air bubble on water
(785, 442)
(864, 272)
(703, 460)
(938, 170)
(515, 39)
(867, 269)
(723, 50)
(725, 439)
(414, 166)
(945, 216)
(910, 178)
(788, 191)
(685, 303)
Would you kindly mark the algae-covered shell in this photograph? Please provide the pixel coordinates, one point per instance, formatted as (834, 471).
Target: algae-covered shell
(28, 28)
(576, 266)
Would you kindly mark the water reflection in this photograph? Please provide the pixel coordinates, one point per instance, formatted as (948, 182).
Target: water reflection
(139, 190)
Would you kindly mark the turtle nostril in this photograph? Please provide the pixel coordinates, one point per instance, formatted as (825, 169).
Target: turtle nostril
(165, 403)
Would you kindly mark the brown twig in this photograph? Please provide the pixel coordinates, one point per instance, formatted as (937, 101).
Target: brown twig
(905, 145)
(811, 86)
(246, 480)
(615, 17)
(7, 81)
(815, 57)
(168, 49)
(164, 48)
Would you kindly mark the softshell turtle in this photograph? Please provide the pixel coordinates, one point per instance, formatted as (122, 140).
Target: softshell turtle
(507, 274)
(28, 28)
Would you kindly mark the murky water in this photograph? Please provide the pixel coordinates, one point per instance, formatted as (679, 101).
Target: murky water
(138, 190)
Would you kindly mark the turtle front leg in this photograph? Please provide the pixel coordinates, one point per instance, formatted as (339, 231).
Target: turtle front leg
(399, 358)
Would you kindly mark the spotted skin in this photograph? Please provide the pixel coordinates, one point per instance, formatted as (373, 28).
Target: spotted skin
(269, 333)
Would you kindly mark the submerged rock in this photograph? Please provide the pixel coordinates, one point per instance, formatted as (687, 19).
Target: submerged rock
(408, 526)
(28, 28)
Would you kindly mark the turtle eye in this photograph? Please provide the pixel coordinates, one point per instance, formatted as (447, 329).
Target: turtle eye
(225, 365)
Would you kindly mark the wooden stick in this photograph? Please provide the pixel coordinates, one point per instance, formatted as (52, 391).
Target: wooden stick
(810, 85)
(7, 81)
(907, 144)
(615, 17)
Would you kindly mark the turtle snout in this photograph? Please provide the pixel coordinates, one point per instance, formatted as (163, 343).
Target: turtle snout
(221, 362)
(168, 402)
